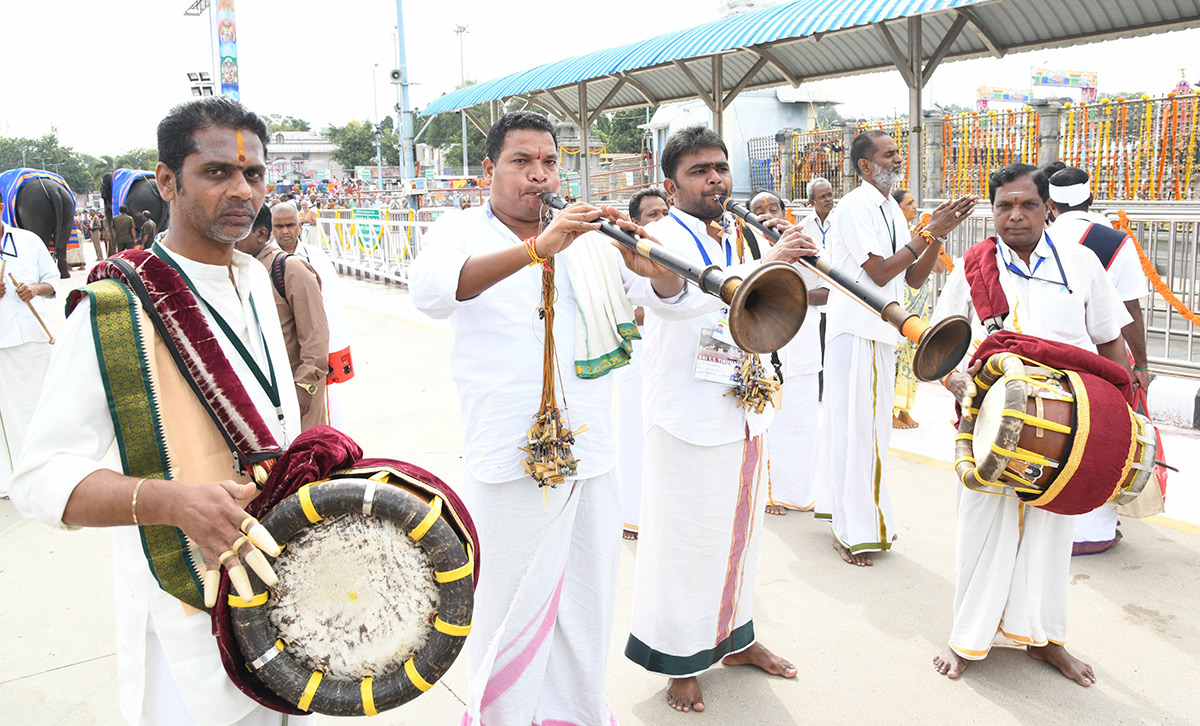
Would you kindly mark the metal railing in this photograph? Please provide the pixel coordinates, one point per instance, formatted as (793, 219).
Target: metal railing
(379, 249)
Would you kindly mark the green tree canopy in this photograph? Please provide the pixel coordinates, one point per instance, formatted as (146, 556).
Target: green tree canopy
(47, 154)
(277, 122)
(356, 144)
(619, 131)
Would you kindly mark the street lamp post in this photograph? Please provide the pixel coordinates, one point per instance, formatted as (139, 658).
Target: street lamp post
(461, 30)
(378, 132)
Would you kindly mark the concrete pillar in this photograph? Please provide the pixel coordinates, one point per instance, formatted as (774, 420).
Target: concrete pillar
(1049, 134)
(849, 176)
(787, 164)
(935, 152)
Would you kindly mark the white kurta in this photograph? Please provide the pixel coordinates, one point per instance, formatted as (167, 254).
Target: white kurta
(1125, 271)
(24, 346)
(694, 581)
(631, 437)
(794, 436)
(1012, 560)
(72, 436)
(538, 649)
(860, 372)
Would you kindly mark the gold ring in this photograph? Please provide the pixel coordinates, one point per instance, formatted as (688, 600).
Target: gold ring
(226, 555)
(958, 214)
(237, 543)
(247, 523)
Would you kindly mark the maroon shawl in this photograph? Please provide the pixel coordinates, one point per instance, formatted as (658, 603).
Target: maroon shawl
(983, 275)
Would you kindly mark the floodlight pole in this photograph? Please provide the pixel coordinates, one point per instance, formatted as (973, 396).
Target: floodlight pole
(405, 127)
(462, 77)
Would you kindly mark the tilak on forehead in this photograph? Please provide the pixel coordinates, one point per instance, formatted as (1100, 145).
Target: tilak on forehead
(241, 143)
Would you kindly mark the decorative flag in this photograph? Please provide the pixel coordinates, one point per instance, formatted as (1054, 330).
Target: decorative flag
(227, 48)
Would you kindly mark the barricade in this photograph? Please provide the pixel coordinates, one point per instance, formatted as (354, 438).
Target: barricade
(379, 249)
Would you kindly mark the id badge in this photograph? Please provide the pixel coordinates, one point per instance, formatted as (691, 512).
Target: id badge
(721, 330)
(717, 361)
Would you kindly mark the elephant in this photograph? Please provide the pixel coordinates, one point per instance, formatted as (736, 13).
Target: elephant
(43, 204)
(140, 195)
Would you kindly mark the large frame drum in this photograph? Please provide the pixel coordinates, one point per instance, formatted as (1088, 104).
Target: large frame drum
(375, 595)
(1065, 441)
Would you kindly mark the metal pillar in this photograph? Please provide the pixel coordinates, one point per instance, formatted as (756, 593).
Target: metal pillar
(585, 174)
(494, 107)
(405, 125)
(916, 176)
(718, 97)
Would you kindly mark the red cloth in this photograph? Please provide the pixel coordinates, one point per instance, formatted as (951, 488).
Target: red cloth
(983, 276)
(315, 455)
(1057, 355)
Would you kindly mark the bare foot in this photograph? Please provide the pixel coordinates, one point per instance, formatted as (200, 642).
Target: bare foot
(628, 534)
(908, 419)
(683, 694)
(897, 423)
(949, 663)
(776, 509)
(861, 559)
(1071, 667)
(758, 655)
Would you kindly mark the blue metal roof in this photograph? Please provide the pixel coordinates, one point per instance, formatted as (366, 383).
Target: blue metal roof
(812, 39)
(793, 20)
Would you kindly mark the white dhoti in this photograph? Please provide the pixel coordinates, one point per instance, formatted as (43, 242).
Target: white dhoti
(793, 436)
(1012, 566)
(857, 429)
(693, 593)
(631, 440)
(22, 373)
(1096, 531)
(543, 608)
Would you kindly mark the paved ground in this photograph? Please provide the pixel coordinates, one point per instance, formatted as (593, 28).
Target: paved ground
(862, 639)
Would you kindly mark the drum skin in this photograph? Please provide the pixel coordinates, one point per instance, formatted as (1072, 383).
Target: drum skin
(342, 696)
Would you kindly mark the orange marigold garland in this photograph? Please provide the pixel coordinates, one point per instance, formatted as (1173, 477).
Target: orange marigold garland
(1152, 274)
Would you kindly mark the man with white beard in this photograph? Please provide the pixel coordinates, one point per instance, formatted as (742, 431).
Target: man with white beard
(867, 242)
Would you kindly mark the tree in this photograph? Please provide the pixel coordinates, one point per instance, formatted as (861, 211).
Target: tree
(277, 122)
(619, 131)
(827, 116)
(46, 154)
(137, 159)
(356, 144)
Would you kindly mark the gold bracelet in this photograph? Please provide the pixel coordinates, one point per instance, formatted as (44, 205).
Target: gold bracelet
(137, 488)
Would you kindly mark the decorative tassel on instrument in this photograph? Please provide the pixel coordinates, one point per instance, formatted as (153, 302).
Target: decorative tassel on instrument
(752, 387)
(550, 437)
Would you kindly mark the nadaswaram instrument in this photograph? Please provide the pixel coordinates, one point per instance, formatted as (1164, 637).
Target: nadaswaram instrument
(375, 593)
(1062, 440)
(939, 347)
(766, 308)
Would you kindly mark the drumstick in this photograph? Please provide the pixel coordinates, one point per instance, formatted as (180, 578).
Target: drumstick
(34, 311)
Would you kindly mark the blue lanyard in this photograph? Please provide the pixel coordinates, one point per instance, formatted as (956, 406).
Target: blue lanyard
(1062, 272)
(823, 230)
(700, 245)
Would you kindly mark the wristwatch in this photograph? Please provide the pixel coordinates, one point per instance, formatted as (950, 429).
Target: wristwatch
(310, 387)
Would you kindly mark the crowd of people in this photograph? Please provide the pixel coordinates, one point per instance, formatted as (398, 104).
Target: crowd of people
(108, 449)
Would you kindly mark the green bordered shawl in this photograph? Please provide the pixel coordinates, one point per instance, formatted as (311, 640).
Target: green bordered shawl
(123, 350)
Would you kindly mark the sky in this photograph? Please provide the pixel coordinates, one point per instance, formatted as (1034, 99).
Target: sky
(120, 66)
